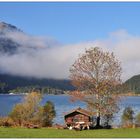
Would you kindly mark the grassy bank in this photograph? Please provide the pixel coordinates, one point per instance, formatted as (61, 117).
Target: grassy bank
(54, 133)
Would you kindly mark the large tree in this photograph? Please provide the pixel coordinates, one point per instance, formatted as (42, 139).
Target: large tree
(96, 74)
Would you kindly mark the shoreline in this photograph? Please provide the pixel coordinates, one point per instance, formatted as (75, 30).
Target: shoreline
(124, 95)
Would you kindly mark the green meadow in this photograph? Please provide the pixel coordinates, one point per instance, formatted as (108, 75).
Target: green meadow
(62, 133)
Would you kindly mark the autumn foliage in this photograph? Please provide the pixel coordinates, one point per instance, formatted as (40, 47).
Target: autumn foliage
(29, 113)
(96, 75)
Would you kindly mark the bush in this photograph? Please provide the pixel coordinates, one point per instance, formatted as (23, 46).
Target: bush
(128, 117)
(30, 114)
(6, 122)
(27, 111)
(48, 114)
(107, 120)
(18, 114)
(137, 121)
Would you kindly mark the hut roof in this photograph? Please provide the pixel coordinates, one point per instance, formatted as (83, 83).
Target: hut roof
(80, 110)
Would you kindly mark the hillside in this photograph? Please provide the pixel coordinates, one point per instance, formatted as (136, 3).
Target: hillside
(12, 82)
(7, 45)
(133, 84)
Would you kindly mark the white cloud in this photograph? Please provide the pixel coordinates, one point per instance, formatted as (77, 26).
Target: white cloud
(128, 51)
(51, 60)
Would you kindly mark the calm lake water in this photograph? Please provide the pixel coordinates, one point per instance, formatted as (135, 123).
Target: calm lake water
(63, 104)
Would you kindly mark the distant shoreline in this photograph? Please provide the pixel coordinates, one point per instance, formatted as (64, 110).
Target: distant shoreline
(124, 94)
(26, 94)
(129, 94)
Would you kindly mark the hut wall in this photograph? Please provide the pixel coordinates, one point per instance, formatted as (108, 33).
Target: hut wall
(76, 117)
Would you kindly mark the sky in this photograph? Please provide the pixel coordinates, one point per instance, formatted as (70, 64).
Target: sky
(114, 26)
(72, 22)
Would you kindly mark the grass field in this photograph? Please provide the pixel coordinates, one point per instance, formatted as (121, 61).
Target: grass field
(55, 133)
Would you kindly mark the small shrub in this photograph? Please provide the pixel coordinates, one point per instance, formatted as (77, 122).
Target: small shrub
(30, 114)
(128, 117)
(27, 111)
(6, 122)
(48, 114)
(107, 120)
(137, 121)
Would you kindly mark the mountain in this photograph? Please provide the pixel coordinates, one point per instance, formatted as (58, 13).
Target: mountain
(133, 84)
(13, 82)
(5, 27)
(9, 46)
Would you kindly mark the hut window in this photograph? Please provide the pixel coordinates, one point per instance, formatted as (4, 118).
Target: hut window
(75, 119)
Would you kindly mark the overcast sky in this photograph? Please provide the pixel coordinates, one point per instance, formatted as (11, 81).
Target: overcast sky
(74, 26)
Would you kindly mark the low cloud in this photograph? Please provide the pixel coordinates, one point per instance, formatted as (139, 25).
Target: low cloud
(29, 41)
(46, 58)
(53, 62)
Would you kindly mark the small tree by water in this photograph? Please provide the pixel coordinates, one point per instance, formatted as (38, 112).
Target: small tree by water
(48, 114)
(27, 111)
(128, 117)
(31, 113)
(137, 120)
(107, 120)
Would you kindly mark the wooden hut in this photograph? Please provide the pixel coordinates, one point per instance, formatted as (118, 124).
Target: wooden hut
(78, 117)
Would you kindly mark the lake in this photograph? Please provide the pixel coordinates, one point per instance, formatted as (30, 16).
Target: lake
(63, 104)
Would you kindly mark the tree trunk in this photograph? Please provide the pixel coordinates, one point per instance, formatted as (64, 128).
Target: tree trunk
(98, 113)
(98, 121)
